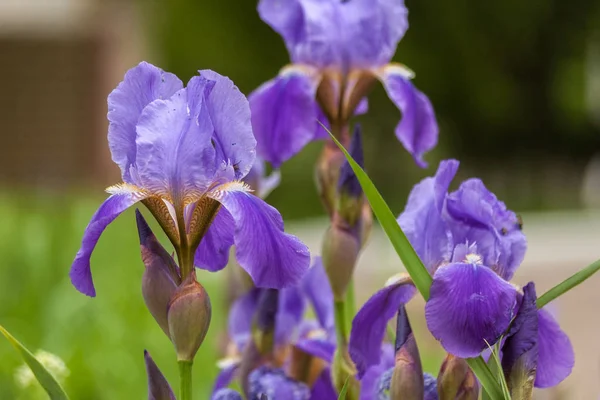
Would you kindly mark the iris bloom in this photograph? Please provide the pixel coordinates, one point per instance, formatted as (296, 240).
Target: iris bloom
(315, 338)
(472, 245)
(338, 50)
(183, 153)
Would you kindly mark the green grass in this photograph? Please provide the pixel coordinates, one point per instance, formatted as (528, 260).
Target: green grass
(100, 339)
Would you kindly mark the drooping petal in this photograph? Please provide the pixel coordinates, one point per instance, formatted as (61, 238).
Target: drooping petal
(141, 85)
(469, 307)
(555, 352)
(81, 274)
(369, 324)
(323, 388)
(485, 220)
(315, 286)
(230, 115)
(283, 115)
(240, 317)
(225, 376)
(289, 314)
(374, 378)
(418, 129)
(158, 387)
(175, 155)
(271, 257)
(422, 220)
(213, 252)
(322, 347)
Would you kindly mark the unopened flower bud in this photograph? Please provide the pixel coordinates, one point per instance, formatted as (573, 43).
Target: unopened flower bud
(263, 331)
(160, 278)
(350, 199)
(520, 350)
(189, 316)
(340, 252)
(327, 175)
(158, 387)
(407, 378)
(456, 381)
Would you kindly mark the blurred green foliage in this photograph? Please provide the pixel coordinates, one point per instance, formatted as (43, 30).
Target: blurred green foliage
(509, 81)
(101, 340)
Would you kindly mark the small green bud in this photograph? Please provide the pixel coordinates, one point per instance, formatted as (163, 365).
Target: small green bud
(340, 252)
(189, 316)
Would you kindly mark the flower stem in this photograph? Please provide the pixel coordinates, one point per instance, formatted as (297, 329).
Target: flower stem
(340, 323)
(350, 306)
(185, 380)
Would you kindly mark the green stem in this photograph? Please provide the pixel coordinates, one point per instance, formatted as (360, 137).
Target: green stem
(340, 322)
(568, 284)
(350, 305)
(185, 380)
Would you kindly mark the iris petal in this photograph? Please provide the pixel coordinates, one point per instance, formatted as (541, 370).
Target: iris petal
(230, 114)
(240, 317)
(369, 324)
(289, 314)
(418, 129)
(213, 252)
(283, 116)
(315, 285)
(323, 389)
(81, 274)
(141, 85)
(175, 155)
(273, 258)
(422, 220)
(555, 352)
(470, 307)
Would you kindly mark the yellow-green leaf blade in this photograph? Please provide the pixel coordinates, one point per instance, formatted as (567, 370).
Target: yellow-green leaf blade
(568, 284)
(45, 378)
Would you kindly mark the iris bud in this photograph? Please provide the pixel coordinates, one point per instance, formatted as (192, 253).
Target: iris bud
(520, 350)
(456, 381)
(158, 387)
(407, 378)
(160, 278)
(189, 316)
(340, 252)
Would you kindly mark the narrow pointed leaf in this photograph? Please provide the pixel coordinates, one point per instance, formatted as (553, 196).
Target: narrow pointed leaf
(410, 259)
(407, 254)
(342, 395)
(568, 284)
(45, 378)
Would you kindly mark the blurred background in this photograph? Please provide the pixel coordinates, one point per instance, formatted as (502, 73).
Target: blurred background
(516, 88)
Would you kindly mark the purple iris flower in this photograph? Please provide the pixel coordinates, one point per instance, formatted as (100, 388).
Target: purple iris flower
(472, 245)
(338, 50)
(183, 153)
(313, 337)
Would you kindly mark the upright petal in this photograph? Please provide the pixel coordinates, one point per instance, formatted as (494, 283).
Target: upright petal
(81, 274)
(422, 220)
(141, 85)
(158, 387)
(556, 357)
(230, 114)
(374, 29)
(273, 258)
(283, 115)
(418, 129)
(175, 155)
(470, 307)
(483, 219)
(316, 288)
(369, 324)
(213, 252)
(311, 29)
